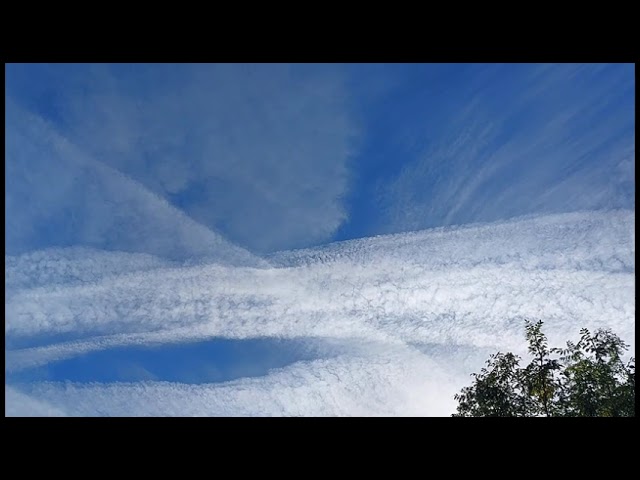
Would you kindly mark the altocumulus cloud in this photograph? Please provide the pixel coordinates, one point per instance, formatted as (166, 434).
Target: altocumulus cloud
(396, 322)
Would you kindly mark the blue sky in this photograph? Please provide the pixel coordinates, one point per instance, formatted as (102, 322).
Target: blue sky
(198, 173)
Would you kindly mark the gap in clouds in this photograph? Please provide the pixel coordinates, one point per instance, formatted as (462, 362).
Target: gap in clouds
(211, 361)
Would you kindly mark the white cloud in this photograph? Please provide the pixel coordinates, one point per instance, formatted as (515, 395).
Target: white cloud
(73, 265)
(258, 152)
(389, 381)
(58, 196)
(17, 404)
(415, 314)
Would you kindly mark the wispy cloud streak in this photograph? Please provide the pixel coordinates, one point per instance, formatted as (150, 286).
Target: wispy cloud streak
(59, 196)
(560, 138)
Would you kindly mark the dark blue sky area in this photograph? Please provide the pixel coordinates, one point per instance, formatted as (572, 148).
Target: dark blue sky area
(216, 360)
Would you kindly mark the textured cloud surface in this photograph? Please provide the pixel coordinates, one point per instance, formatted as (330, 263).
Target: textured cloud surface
(396, 323)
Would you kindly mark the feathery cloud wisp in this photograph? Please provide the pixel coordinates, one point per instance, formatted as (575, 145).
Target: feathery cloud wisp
(558, 138)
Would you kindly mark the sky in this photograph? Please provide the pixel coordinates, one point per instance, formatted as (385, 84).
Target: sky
(306, 239)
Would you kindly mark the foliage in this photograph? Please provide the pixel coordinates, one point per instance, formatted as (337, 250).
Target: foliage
(586, 379)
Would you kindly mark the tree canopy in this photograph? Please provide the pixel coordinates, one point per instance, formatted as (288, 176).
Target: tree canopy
(588, 378)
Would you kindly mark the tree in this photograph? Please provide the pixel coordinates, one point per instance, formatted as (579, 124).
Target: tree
(587, 378)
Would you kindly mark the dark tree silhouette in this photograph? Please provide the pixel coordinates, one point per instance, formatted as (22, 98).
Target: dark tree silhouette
(586, 379)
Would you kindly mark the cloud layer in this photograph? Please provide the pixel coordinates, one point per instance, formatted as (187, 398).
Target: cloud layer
(413, 315)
